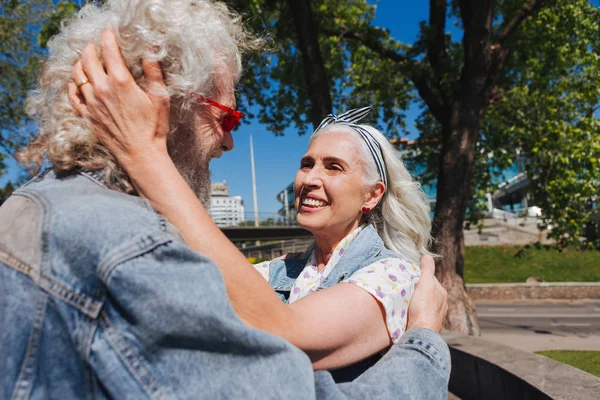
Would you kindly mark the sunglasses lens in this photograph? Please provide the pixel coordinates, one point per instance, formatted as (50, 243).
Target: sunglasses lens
(229, 122)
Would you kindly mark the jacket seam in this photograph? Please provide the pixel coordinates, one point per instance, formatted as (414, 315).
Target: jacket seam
(130, 359)
(36, 178)
(15, 263)
(126, 253)
(25, 379)
(162, 221)
(41, 201)
(427, 349)
(85, 305)
(89, 307)
(91, 175)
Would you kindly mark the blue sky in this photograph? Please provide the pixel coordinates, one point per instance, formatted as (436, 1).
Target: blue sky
(277, 157)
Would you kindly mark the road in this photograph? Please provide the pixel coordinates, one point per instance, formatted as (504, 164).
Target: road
(534, 327)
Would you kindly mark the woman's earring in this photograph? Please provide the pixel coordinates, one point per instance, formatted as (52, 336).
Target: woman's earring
(366, 210)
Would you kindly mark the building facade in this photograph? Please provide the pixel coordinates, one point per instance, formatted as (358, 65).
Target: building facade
(288, 207)
(225, 210)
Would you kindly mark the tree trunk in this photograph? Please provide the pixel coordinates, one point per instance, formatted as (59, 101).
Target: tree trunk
(453, 193)
(312, 60)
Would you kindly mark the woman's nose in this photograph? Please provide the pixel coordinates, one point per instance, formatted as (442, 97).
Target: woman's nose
(312, 178)
(227, 142)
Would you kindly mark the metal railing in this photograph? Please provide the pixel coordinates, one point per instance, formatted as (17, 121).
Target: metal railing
(275, 249)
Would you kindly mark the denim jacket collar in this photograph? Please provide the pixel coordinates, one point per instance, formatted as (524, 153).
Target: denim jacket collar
(364, 250)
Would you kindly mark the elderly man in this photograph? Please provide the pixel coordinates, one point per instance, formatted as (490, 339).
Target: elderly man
(99, 296)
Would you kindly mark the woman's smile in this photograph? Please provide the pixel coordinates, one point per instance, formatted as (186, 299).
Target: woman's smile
(311, 203)
(329, 187)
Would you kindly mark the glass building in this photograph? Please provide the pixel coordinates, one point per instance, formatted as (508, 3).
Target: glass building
(288, 208)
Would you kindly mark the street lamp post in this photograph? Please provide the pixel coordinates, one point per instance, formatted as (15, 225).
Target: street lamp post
(253, 183)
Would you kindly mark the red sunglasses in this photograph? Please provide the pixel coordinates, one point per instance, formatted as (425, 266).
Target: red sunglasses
(231, 119)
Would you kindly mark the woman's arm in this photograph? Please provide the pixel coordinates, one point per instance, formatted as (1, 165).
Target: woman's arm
(335, 327)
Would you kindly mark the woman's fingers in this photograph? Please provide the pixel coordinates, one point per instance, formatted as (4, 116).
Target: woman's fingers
(158, 94)
(92, 67)
(82, 83)
(153, 73)
(127, 120)
(428, 306)
(114, 63)
(427, 265)
(77, 100)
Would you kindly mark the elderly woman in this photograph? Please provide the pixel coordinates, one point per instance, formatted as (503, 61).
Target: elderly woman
(346, 298)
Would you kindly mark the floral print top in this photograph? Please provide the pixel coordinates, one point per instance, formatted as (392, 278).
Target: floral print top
(391, 281)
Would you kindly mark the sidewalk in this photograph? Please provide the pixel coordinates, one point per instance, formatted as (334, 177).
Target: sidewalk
(541, 324)
(532, 342)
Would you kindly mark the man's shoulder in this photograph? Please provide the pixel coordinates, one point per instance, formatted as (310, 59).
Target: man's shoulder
(81, 221)
(71, 232)
(76, 202)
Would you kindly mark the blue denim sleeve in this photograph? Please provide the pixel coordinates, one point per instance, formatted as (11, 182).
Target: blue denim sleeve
(167, 330)
(418, 367)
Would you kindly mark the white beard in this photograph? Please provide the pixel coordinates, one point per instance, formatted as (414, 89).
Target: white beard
(191, 159)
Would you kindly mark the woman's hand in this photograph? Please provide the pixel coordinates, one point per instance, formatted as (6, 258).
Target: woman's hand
(131, 123)
(429, 304)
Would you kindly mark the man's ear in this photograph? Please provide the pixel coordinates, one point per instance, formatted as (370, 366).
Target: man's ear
(374, 196)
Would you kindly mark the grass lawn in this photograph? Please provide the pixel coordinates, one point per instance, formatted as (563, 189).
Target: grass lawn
(513, 264)
(588, 361)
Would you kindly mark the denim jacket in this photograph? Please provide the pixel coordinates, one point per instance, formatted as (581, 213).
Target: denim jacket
(366, 249)
(99, 298)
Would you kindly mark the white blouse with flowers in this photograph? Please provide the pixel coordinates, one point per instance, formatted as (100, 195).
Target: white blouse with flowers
(391, 281)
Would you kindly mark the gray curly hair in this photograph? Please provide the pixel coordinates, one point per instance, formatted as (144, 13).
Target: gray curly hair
(198, 43)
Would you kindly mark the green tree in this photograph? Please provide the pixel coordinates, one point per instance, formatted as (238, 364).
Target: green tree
(524, 76)
(25, 28)
(20, 60)
(5, 192)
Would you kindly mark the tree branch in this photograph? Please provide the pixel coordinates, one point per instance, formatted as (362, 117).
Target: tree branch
(501, 55)
(410, 66)
(438, 109)
(315, 73)
(527, 10)
(436, 40)
(477, 17)
(376, 46)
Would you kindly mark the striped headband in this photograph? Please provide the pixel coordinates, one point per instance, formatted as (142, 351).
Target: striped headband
(351, 118)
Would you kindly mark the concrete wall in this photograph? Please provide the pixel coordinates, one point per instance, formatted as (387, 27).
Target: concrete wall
(542, 290)
(487, 370)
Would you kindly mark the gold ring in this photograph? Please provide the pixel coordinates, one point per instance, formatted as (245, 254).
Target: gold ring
(83, 82)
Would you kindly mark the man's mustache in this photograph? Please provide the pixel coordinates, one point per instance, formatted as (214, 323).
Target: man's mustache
(217, 153)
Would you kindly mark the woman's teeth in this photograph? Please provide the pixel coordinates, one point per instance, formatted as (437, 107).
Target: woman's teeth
(313, 202)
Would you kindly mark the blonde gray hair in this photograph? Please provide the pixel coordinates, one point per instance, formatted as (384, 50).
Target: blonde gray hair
(198, 43)
(402, 216)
